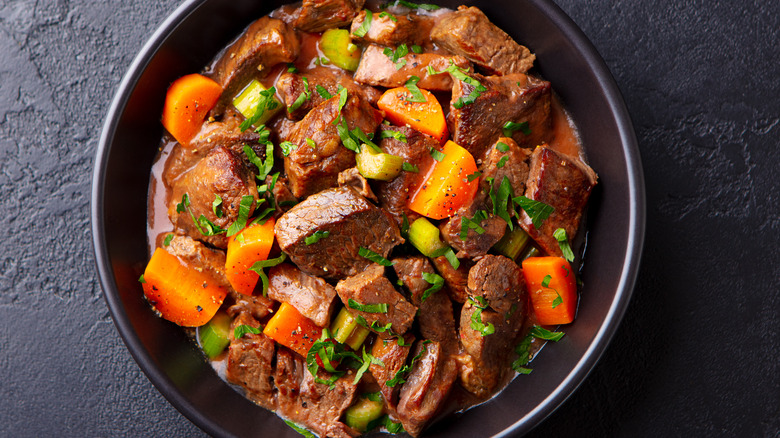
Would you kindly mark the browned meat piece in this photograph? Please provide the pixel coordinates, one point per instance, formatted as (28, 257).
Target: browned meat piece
(257, 306)
(291, 85)
(372, 287)
(249, 363)
(311, 296)
(313, 405)
(199, 256)
(351, 221)
(378, 69)
(265, 43)
(282, 194)
(427, 386)
(500, 281)
(563, 183)
(469, 33)
(311, 169)
(435, 317)
(513, 162)
(515, 98)
(352, 178)
(222, 174)
(394, 195)
(393, 30)
(475, 244)
(393, 356)
(455, 279)
(321, 15)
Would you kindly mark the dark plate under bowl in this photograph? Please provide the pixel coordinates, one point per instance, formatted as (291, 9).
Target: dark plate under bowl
(188, 39)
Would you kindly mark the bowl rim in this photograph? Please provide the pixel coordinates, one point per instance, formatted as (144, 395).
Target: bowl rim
(602, 338)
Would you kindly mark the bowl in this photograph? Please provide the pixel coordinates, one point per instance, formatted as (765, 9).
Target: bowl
(188, 39)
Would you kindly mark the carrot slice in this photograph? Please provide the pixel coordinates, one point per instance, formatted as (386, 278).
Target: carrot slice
(446, 186)
(188, 101)
(555, 298)
(293, 330)
(244, 249)
(426, 117)
(182, 294)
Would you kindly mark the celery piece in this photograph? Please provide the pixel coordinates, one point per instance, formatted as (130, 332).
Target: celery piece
(214, 336)
(335, 45)
(343, 326)
(358, 337)
(531, 251)
(425, 237)
(512, 243)
(247, 100)
(378, 165)
(363, 412)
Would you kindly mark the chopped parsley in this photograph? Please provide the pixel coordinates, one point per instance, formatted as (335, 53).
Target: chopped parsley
(523, 349)
(473, 223)
(266, 101)
(316, 237)
(546, 284)
(416, 94)
(168, 239)
(416, 49)
(300, 430)
(216, 206)
(243, 215)
(346, 138)
(537, 211)
(287, 147)
(436, 281)
(563, 242)
(405, 226)
(203, 224)
(311, 143)
(398, 135)
(141, 279)
(263, 167)
(449, 254)
(474, 176)
(258, 268)
(476, 318)
(385, 14)
(410, 5)
(510, 127)
(409, 167)
(437, 154)
(500, 199)
(243, 329)
(542, 333)
(303, 97)
(502, 147)
(502, 161)
(400, 375)
(396, 55)
(361, 31)
(368, 360)
(374, 257)
(460, 74)
(291, 68)
(323, 92)
(342, 98)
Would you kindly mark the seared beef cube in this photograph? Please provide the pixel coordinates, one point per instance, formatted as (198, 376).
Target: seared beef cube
(352, 178)
(515, 98)
(393, 356)
(282, 194)
(500, 281)
(469, 33)
(511, 162)
(311, 296)
(350, 221)
(372, 287)
(378, 69)
(265, 43)
(564, 183)
(199, 256)
(249, 363)
(455, 279)
(257, 306)
(291, 85)
(435, 317)
(475, 244)
(393, 30)
(222, 174)
(311, 169)
(288, 377)
(321, 15)
(426, 387)
(394, 195)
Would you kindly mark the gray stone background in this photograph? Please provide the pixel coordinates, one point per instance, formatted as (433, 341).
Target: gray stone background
(697, 353)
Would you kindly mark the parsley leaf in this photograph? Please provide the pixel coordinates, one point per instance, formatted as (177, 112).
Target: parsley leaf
(303, 97)
(323, 92)
(410, 5)
(243, 329)
(474, 176)
(416, 94)
(243, 215)
(409, 167)
(542, 333)
(395, 56)
(258, 268)
(405, 226)
(546, 283)
(314, 238)
(342, 98)
(500, 199)
(502, 147)
(502, 162)
(400, 375)
(141, 279)
(287, 147)
(265, 101)
(385, 14)
(563, 242)
(216, 206)
(311, 143)
(510, 127)
(300, 429)
(346, 138)
(368, 360)
(523, 351)
(437, 154)
(460, 74)
(398, 135)
(361, 31)
(291, 68)
(449, 254)
(436, 281)
(537, 211)
(263, 167)
(374, 257)
(476, 319)
(368, 308)
(473, 223)
(168, 239)
(416, 49)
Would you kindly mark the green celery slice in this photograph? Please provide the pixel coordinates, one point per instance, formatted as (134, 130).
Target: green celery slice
(425, 237)
(512, 243)
(214, 336)
(246, 103)
(378, 165)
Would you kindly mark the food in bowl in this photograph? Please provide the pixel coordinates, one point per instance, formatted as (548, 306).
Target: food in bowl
(366, 214)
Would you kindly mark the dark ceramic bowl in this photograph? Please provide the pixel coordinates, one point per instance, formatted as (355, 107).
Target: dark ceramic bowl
(188, 39)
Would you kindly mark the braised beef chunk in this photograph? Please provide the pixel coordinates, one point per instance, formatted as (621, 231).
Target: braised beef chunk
(221, 174)
(515, 98)
(469, 33)
(393, 356)
(476, 243)
(454, 279)
(350, 223)
(500, 281)
(505, 159)
(291, 85)
(352, 178)
(394, 195)
(392, 30)
(426, 387)
(311, 296)
(282, 195)
(564, 183)
(314, 168)
(435, 317)
(321, 15)
(198, 255)
(257, 306)
(369, 288)
(378, 69)
(249, 363)
(265, 43)
(288, 377)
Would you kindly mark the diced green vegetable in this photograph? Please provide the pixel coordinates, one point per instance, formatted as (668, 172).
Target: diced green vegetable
(529, 252)
(346, 330)
(378, 165)
(425, 237)
(246, 103)
(336, 44)
(214, 335)
(363, 412)
(512, 243)
(359, 335)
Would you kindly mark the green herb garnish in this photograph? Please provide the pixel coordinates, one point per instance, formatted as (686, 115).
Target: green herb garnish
(398, 135)
(316, 237)
(243, 329)
(374, 257)
(436, 281)
(258, 268)
(409, 167)
(510, 127)
(361, 31)
(243, 215)
(416, 94)
(216, 206)
(437, 154)
(537, 211)
(563, 243)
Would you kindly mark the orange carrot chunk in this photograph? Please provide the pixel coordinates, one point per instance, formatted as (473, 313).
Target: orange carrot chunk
(188, 101)
(250, 245)
(293, 330)
(426, 117)
(553, 289)
(446, 186)
(182, 294)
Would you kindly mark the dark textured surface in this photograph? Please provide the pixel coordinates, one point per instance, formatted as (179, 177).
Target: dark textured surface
(697, 353)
